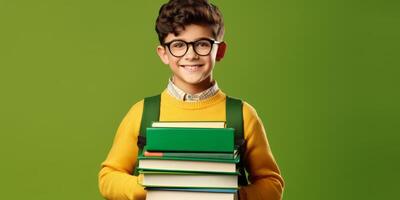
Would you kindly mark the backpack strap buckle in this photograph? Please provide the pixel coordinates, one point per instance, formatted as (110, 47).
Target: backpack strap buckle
(141, 142)
(239, 141)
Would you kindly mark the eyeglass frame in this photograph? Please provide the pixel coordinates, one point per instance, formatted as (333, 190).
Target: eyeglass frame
(167, 44)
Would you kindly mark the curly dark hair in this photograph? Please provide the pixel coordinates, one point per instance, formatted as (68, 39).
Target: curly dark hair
(176, 14)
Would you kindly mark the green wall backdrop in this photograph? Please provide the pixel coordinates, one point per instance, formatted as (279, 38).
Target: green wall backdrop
(323, 76)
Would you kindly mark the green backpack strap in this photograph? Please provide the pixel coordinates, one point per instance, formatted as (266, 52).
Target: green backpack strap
(234, 119)
(151, 113)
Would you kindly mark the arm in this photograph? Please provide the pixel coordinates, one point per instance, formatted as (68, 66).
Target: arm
(115, 179)
(266, 181)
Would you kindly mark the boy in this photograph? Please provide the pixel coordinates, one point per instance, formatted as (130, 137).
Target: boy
(190, 34)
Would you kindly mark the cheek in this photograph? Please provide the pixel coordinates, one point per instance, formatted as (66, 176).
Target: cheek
(173, 60)
(210, 59)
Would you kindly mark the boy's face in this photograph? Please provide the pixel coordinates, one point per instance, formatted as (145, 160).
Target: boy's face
(191, 71)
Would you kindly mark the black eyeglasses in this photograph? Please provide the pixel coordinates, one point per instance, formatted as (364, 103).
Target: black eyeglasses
(202, 47)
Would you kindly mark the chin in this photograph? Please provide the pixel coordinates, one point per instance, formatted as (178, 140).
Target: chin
(193, 82)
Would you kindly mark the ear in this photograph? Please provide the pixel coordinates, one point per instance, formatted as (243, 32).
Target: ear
(221, 51)
(162, 53)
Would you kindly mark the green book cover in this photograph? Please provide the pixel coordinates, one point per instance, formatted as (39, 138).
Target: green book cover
(187, 165)
(190, 139)
(169, 154)
(185, 180)
(236, 159)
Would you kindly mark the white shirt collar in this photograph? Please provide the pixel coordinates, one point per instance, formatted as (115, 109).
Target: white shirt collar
(181, 95)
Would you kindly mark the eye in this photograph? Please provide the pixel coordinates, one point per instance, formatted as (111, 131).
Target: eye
(178, 44)
(203, 43)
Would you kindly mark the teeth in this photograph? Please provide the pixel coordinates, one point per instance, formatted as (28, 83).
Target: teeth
(191, 67)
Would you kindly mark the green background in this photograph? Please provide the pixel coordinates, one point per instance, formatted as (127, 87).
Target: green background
(323, 76)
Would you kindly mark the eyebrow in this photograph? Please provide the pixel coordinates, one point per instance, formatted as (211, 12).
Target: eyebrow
(201, 38)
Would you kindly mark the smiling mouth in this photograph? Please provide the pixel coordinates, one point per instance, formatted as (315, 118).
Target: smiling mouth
(198, 65)
(191, 68)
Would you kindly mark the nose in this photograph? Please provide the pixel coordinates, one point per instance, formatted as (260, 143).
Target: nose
(191, 54)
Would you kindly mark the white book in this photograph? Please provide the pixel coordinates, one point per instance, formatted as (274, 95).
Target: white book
(189, 124)
(185, 180)
(186, 165)
(187, 195)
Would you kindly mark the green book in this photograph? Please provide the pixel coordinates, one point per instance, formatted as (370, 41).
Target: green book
(236, 159)
(188, 165)
(190, 139)
(187, 180)
(183, 155)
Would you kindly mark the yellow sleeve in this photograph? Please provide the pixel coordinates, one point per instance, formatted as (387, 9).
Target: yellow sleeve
(266, 181)
(115, 179)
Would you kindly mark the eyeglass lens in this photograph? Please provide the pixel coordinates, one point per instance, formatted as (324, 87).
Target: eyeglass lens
(201, 47)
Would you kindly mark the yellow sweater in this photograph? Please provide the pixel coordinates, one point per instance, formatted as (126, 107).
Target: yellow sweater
(117, 182)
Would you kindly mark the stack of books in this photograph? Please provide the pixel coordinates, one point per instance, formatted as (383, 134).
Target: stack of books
(189, 161)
